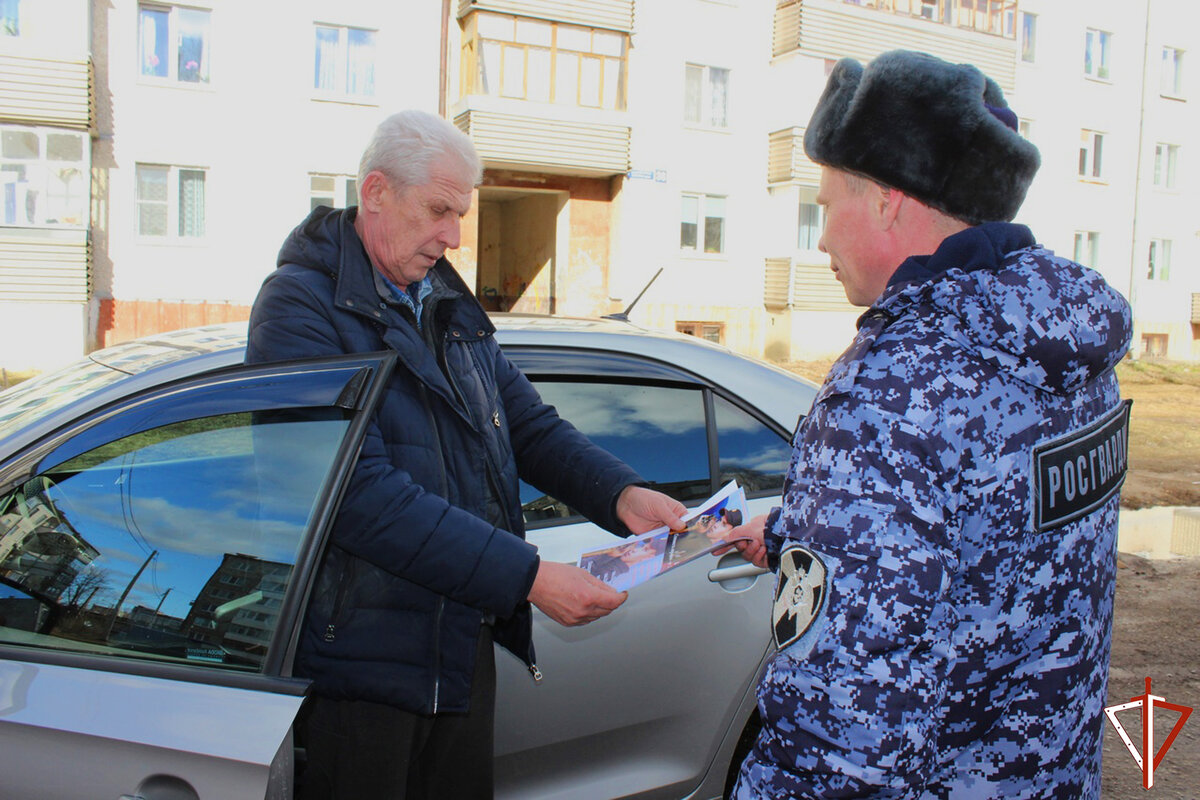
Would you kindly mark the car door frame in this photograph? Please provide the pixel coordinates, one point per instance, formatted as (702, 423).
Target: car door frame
(361, 394)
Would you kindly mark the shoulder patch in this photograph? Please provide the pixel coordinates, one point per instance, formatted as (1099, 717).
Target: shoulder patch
(800, 593)
(1077, 473)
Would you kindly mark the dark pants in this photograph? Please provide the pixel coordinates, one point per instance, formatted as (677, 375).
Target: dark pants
(367, 751)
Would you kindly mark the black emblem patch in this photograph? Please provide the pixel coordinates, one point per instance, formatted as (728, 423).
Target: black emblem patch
(1079, 472)
(799, 594)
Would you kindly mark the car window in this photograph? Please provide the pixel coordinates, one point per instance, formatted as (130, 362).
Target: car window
(173, 543)
(751, 453)
(658, 430)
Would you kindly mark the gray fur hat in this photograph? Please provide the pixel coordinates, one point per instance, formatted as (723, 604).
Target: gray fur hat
(937, 131)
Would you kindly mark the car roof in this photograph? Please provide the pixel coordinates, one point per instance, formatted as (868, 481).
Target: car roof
(161, 358)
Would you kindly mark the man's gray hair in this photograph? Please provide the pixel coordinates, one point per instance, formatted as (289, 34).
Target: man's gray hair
(406, 146)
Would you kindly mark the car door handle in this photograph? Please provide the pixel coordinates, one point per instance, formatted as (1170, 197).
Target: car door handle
(744, 570)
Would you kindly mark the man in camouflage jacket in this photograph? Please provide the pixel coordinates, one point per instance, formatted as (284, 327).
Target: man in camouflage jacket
(946, 546)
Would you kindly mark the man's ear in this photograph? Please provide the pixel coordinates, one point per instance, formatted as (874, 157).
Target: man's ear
(888, 205)
(373, 186)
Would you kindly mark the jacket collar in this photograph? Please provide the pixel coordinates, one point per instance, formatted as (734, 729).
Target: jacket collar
(978, 247)
(357, 291)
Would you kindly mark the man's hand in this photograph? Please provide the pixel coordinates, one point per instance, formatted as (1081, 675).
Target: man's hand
(751, 544)
(572, 596)
(643, 509)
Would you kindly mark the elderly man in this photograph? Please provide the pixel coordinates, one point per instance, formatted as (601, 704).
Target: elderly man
(427, 562)
(946, 545)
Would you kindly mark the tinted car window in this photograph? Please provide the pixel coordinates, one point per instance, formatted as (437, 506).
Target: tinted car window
(750, 453)
(658, 430)
(174, 543)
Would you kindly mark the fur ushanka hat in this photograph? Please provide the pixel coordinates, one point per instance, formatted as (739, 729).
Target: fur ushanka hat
(939, 132)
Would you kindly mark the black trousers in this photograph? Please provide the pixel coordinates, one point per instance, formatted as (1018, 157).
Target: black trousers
(367, 751)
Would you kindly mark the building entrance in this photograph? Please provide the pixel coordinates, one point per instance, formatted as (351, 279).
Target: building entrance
(519, 243)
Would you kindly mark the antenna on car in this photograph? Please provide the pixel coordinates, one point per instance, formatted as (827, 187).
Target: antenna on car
(623, 316)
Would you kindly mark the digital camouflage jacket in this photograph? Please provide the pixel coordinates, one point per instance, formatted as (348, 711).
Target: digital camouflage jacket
(947, 541)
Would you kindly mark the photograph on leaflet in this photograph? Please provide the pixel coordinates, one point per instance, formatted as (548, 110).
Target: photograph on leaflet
(638, 559)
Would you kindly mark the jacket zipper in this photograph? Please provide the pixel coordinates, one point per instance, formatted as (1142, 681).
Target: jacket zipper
(339, 600)
(437, 652)
(437, 620)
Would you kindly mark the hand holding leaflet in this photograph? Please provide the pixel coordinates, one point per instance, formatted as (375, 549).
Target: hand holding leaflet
(641, 558)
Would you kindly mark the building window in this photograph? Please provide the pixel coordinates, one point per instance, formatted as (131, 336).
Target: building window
(10, 17)
(1154, 344)
(544, 62)
(702, 233)
(996, 17)
(158, 216)
(1087, 248)
(812, 220)
(1028, 37)
(1158, 265)
(43, 177)
(1165, 158)
(706, 96)
(1091, 147)
(335, 191)
(173, 43)
(1171, 80)
(1096, 53)
(709, 331)
(344, 62)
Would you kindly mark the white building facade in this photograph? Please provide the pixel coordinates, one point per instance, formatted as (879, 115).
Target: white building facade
(626, 145)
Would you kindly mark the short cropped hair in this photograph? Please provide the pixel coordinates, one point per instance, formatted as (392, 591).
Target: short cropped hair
(406, 145)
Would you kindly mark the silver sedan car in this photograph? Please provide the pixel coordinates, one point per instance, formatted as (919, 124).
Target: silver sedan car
(163, 509)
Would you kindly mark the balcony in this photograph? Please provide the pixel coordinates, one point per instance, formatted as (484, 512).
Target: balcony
(798, 285)
(543, 84)
(527, 137)
(786, 160)
(862, 29)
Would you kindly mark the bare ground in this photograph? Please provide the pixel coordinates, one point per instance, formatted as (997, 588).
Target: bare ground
(1156, 631)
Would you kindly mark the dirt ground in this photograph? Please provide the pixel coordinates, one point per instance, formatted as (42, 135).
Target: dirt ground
(1156, 632)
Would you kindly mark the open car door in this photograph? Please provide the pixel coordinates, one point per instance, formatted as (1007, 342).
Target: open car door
(155, 560)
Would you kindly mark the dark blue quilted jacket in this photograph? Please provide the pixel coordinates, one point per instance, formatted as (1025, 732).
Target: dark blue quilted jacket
(429, 539)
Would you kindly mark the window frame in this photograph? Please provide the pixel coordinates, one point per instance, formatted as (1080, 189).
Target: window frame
(1027, 45)
(573, 364)
(1170, 82)
(699, 248)
(81, 428)
(599, 72)
(1091, 156)
(173, 44)
(43, 168)
(10, 23)
(703, 116)
(173, 204)
(708, 330)
(1090, 239)
(345, 187)
(1097, 65)
(1166, 166)
(342, 73)
(1158, 260)
(807, 198)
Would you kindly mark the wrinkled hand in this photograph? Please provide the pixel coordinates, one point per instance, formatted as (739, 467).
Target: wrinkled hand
(751, 545)
(572, 596)
(643, 509)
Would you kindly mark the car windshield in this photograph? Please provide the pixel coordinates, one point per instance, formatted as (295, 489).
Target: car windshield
(38, 397)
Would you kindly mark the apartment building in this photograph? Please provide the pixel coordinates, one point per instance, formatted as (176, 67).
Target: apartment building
(646, 151)
(46, 115)
(1103, 89)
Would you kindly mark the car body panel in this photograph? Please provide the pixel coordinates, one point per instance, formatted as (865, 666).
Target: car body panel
(648, 702)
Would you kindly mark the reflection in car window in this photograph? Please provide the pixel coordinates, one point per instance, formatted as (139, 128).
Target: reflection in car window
(750, 452)
(657, 430)
(175, 543)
